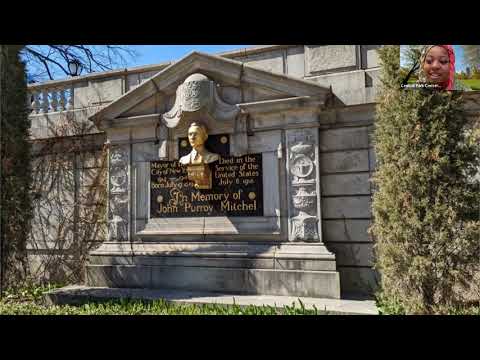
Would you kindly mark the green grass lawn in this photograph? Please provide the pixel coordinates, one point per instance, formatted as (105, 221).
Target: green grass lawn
(474, 84)
(29, 301)
(158, 307)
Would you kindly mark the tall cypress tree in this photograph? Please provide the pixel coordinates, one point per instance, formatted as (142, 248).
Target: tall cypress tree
(426, 207)
(15, 166)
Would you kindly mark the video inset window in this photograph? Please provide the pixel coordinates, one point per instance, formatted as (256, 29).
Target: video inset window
(440, 67)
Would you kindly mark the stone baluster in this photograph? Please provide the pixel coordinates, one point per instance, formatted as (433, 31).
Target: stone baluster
(63, 100)
(70, 98)
(54, 101)
(36, 102)
(45, 102)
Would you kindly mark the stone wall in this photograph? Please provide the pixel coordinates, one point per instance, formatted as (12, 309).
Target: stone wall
(351, 70)
(69, 200)
(346, 158)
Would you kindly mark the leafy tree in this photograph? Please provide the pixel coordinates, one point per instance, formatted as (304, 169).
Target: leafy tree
(426, 215)
(472, 55)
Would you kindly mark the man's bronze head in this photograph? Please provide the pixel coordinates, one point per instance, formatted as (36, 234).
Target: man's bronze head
(197, 134)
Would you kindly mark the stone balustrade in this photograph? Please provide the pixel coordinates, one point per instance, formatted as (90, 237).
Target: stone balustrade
(86, 91)
(46, 100)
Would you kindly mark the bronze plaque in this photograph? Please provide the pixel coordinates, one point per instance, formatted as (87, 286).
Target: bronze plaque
(237, 189)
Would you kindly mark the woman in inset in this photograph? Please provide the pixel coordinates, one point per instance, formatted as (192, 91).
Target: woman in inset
(437, 66)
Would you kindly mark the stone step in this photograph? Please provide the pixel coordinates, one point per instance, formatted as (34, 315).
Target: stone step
(322, 284)
(78, 294)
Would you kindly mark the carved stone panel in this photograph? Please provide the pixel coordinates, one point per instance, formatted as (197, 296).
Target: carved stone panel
(303, 185)
(325, 58)
(198, 94)
(119, 184)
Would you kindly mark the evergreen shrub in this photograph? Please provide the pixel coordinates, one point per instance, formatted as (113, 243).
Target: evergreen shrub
(426, 204)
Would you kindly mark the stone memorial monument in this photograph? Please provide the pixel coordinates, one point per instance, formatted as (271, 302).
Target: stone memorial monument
(214, 183)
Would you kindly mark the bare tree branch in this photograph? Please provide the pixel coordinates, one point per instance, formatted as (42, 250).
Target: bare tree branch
(51, 61)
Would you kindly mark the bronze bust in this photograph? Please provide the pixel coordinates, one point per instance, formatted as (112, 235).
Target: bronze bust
(197, 135)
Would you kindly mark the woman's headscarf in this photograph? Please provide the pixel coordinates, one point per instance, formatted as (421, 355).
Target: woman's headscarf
(451, 57)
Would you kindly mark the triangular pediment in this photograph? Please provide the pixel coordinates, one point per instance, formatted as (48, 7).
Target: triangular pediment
(232, 76)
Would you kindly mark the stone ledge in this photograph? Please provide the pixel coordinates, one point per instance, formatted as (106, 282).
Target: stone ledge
(320, 284)
(78, 294)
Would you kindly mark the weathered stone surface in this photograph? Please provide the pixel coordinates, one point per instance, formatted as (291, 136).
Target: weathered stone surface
(301, 283)
(350, 207)
(372, 159)
(296, 61)
(97, 92)
(345, 184)
(81, 94)
(119, 276)
(133, 80)
(272, 61)
(344, 161)
(144, 152)
(146, 75)
(147, 106)
(344, 139)
(271, 186)
(348, 230)
(224, 280)
(119, 135)
(61, 124)
(355, 115)
(265, 141)
(370, 56)
(146, 132)
(213, 228)
(329, 57)
(359, 280)
(348, 87)
(105, 90)
(231, 95)
(38, 133)
(352, 254)
(273, 121)
(374, 74)
(140, 201)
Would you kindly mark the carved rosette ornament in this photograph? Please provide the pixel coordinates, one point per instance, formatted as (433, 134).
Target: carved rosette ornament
(198, 94)
(303, 185)
(118, 195)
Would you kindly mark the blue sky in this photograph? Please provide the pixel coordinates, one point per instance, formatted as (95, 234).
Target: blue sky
(146, 55)
(153, 54)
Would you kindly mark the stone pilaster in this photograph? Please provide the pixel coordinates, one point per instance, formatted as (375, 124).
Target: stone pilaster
(303, 185)
(119, 194)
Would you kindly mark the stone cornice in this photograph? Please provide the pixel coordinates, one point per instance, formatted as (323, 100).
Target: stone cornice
(229, 71)
(294, 104)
